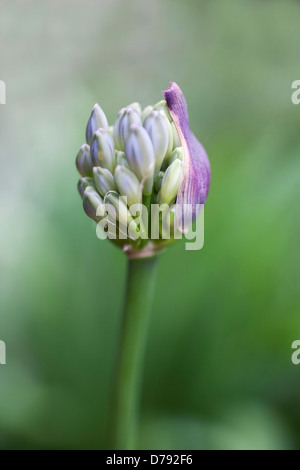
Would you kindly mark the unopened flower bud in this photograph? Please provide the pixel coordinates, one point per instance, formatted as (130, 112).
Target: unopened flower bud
(176, 138)
(177, 154)
(91, 201)
(103, 150)
(157, 129)
(104, 180)
(127, 184)
(162, 106)
(158, 181)
(170, 183)
(126, 118)
(123, 214)
(121, 159)
(83, 161)
(140, 156)
(146, 111)
(159, 104)
(139, 160)
(135, 106)
(97, 120)
(84, 183)
(168, 223)
(170, 134)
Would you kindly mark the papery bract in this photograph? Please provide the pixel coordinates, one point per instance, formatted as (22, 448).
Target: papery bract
(195, 180)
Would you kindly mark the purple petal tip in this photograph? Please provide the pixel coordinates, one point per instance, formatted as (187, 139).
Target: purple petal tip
(195, 179)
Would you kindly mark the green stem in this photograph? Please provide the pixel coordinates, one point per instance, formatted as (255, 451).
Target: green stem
(141, 277)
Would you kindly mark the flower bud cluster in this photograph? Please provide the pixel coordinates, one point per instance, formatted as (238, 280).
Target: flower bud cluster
(136, 161)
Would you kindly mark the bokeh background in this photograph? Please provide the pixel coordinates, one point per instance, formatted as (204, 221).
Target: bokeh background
(218, 371)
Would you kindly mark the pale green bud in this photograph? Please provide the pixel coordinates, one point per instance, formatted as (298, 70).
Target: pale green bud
(176, 138)
(140, 156)
(104, 180)
(84, 183)
(146, 111)
(103, 150)
(136, 107)
(176, 154)
(83, 161)
(97, 120)
(158, 181)
(170, 183)
(170, 134)
(91, 201)
(126, 118)
(157, 197)
(162, 106)
(121, 209)
(168, 227)
(121, 159)
(127, 184)
(157, 129)
(111, 131)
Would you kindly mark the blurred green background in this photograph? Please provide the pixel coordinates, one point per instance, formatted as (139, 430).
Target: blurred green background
(218, 371)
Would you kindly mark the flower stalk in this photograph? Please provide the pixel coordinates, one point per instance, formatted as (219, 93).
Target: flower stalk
(123, 419)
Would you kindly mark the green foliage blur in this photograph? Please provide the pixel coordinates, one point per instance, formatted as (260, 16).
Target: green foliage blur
(218, 371)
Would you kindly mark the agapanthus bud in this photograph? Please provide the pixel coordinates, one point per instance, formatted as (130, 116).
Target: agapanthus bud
(146, 111)
(84, 183)
(168, 223)
(162, 106)
(136, 107)
(158, 181)
(91, 201)
(121, 159)
(123, 214)
(159, 104)
(127, 184)
(140, 156)
(104, 180)
(176, 138)
(83, 161)
(157, 129)
(97, 120)
(170, 183)
(103, 150)
(170, 134)
(177, 154)
(126, 118)
(148, 156)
